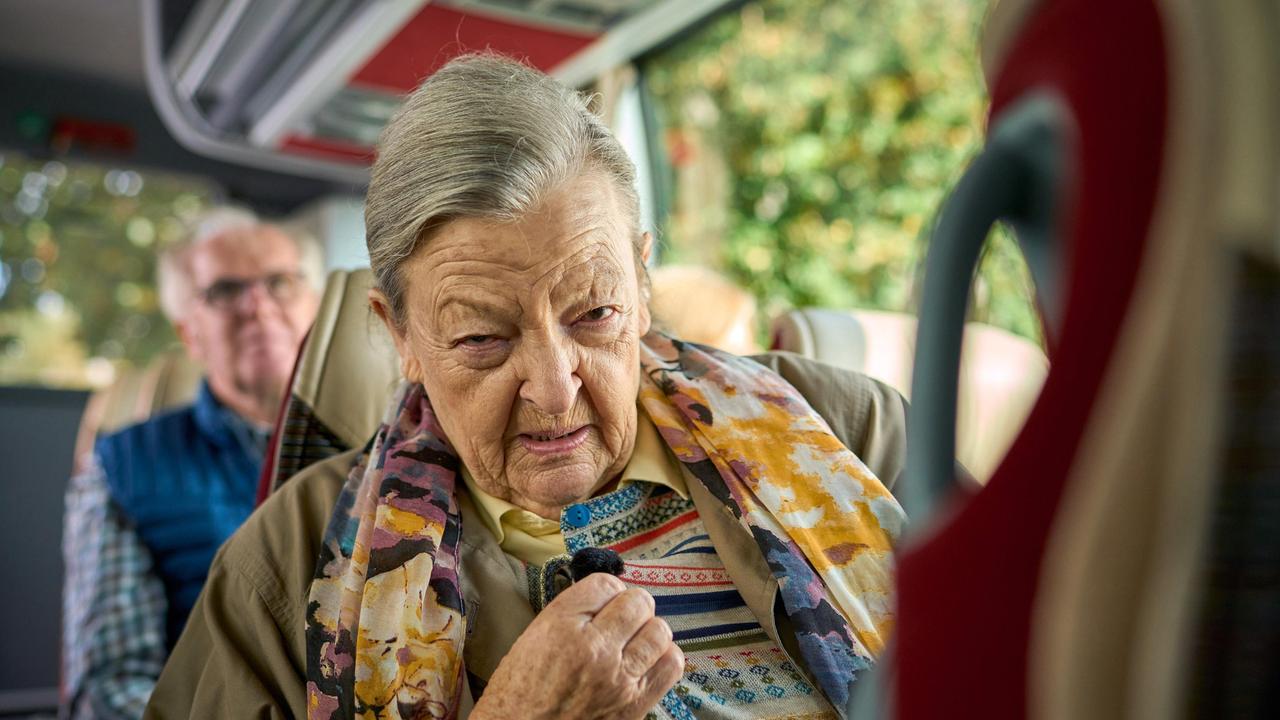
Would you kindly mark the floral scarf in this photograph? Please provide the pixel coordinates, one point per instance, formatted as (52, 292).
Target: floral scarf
(385, 618)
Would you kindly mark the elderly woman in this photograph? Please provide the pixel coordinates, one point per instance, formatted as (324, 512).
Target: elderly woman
(432, 573)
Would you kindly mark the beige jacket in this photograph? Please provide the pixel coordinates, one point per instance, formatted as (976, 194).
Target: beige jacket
(243, 653)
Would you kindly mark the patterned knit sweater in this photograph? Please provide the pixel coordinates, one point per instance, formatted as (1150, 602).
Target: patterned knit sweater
(732, 667)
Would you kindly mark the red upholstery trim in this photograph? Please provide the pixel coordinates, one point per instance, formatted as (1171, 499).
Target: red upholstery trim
(268, 472)
(437, 33)
(967, 593)
(327, 148)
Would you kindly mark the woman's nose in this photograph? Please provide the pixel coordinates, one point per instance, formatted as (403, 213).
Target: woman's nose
(551, 377)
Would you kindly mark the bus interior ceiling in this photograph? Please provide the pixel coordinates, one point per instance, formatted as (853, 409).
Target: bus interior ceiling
(75, 87)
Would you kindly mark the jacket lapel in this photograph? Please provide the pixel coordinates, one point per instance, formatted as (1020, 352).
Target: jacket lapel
(739, 553)
(494, 589)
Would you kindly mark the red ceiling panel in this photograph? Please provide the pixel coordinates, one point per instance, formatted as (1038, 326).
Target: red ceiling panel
(327, 148)
(437, 34)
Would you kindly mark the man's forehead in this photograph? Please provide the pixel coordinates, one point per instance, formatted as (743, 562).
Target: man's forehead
(244, 252)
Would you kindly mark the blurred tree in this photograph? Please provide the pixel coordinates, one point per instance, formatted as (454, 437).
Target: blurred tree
(78, 244)
(811, 142)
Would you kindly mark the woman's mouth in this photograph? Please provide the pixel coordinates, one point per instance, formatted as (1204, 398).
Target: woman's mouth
(553, 443)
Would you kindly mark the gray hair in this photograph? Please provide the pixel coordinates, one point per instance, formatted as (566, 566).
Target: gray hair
(485, 137)
(173, 275)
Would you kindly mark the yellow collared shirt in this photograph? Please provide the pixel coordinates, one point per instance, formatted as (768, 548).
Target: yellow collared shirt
(535, 539)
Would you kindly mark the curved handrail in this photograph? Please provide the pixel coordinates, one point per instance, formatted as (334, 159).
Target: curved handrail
(1019, 178)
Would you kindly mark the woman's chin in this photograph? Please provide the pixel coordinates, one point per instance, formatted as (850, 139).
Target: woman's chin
(558, 487)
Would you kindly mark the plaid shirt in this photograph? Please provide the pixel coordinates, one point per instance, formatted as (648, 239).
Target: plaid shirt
(113, 608)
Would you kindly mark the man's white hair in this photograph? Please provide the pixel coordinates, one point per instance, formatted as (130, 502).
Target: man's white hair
(173, 272)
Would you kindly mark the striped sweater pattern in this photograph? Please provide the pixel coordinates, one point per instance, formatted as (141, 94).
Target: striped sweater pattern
(733, 669)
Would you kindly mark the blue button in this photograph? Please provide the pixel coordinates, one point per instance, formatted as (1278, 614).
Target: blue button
(577, 515)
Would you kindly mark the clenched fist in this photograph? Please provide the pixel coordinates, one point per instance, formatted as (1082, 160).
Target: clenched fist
(596, 651)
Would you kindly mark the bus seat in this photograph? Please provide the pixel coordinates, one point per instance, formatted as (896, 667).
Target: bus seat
(1000, 373)
(346, 368)
(1120, 560)
(1165, 550)
(726, 316)
(170, 379)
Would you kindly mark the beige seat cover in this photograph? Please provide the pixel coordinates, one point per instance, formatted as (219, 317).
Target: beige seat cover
(346, 370)
(169, 380)
(1000, 373)
(349, 364)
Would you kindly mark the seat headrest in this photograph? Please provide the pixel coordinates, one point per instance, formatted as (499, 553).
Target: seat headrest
(346, 369)
(874, 342)
(1000, 373)
(170, 379)
(348, 365)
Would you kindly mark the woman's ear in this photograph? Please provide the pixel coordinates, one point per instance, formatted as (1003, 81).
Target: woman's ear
(409, 365)
(646, 251)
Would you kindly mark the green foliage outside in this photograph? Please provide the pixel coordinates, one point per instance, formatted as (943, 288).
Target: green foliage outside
(78, 247)
(811, 144)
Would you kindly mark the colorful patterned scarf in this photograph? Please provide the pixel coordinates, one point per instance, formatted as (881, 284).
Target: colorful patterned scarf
(385, 618)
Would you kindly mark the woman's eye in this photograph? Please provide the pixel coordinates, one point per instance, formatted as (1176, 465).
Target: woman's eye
(598, 314)
(476, 341)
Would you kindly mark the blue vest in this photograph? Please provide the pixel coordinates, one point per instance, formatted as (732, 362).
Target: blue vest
(185, 479)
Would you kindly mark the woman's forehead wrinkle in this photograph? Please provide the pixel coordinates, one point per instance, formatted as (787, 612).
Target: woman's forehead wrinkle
(560, 255)
(476, 259)
(572, 247)
(591, 276)
(456, 310)
(459, 296)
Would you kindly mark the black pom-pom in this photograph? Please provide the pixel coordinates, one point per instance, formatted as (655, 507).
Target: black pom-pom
(593, 560)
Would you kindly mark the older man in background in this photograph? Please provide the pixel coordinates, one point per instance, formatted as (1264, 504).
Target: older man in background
(159, 497)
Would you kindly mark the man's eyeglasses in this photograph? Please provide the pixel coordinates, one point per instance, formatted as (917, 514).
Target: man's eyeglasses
(224, 293)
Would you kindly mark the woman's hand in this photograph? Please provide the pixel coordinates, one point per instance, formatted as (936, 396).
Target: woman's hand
(596, 651)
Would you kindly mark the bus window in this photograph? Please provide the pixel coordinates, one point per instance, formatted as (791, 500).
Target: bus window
(808, 145)
(78, 247)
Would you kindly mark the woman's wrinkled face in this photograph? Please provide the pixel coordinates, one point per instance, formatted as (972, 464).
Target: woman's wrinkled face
(526, 337)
